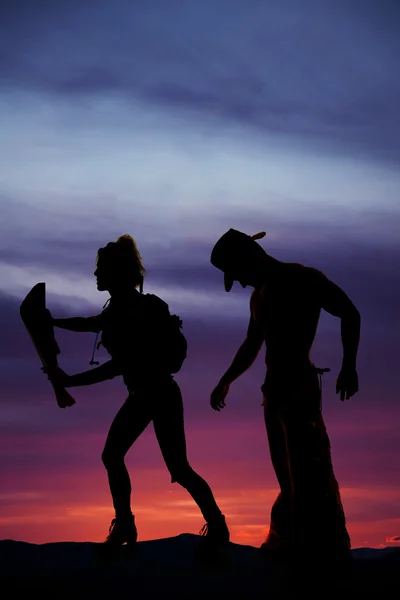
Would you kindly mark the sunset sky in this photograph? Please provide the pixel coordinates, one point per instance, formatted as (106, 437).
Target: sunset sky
(174, 121)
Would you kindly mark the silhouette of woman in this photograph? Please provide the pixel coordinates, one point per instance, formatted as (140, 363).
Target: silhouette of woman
(131, 333)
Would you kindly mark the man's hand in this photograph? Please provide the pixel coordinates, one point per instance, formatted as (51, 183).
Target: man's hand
(218, 397)
(347, 383)
(57, 376)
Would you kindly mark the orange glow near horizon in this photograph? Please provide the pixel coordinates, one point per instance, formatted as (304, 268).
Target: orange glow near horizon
(165, 510)
(58, 490)
(55, 489)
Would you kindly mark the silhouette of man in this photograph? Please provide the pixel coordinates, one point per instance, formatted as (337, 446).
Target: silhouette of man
(284, 311)
(134, 334)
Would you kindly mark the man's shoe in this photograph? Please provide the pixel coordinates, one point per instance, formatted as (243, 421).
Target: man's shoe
(277, 546)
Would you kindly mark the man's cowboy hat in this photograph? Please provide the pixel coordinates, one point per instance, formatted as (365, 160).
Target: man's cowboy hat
(233, 251)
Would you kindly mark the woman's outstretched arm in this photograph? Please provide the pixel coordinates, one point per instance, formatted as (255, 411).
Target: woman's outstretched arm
(108, 370)
(92, 324)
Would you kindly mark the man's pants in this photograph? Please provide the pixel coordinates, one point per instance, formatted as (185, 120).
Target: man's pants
(308, 510)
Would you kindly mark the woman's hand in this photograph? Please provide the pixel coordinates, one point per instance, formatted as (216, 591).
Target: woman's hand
(57, 376)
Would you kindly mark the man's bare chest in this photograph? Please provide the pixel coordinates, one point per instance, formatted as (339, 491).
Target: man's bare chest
(288, 308)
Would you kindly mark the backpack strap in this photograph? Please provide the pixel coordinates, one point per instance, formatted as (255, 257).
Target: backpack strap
(96, 345)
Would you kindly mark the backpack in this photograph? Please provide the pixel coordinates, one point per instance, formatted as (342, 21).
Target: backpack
(177, 344)
(169, 331)
(173, 341)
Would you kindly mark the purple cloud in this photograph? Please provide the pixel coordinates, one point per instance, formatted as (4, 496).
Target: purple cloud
(327, 74)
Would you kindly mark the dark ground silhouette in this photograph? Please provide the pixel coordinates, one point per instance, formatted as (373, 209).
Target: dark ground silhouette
(168, 568)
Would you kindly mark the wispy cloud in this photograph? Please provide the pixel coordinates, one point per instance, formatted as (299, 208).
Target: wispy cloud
(324, 73)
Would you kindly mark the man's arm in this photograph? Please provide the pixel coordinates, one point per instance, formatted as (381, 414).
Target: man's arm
(242, 361)
(93, 324)
(336, 302)
(246, 355)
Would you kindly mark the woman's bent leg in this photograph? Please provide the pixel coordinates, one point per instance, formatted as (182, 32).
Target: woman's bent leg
(130, 421)
(169, 428)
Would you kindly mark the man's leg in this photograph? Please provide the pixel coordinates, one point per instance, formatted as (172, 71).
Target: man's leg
(130, 421)
(318, 512)
(281, 526)
(169, 428)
